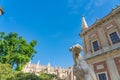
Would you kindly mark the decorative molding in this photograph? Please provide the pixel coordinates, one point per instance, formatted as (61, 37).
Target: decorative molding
(100, 66)
(109, 26)
(93, 35)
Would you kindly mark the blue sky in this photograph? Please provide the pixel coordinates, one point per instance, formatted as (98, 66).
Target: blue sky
(55, 24)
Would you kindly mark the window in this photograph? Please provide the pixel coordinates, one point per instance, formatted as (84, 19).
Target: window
(102, 76)
(114, 37)
(95, 45)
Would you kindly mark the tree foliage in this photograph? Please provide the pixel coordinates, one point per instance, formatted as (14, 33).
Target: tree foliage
(15, 50)
(24, 76)
(45, 76)
(6, 71)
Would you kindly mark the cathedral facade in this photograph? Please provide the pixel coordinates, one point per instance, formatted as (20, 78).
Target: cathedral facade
(62, 73)
(101, 42)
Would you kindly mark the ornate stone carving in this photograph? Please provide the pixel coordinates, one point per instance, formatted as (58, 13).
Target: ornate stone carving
(109, 27)
(81, 69)
(100, 66)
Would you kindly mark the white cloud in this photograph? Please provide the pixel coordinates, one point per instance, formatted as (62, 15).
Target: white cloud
(89, 5)
(74, 6)
(95, 3)
(99, 2)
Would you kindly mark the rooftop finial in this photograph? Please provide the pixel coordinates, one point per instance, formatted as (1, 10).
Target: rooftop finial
(48, 64)
(83, 15)
(38, 62)
(84, 24)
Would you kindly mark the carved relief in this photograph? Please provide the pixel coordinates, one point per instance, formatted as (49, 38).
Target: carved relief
(100, 66)
(93, 36)
(105, 68)
(109, 27)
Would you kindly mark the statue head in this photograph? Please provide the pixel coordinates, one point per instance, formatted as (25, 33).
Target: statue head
(76, 49)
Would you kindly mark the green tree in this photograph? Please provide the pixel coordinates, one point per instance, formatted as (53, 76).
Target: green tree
(6, 71)
(23, 76)
(15, 50)
(45, 76)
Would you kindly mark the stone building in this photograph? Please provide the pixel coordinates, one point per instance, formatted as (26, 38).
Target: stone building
(101, 42)
(62, 73)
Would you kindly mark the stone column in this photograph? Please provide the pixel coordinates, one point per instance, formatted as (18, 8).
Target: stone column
(117, 20)
(112, 69)
(72, 76)
(104, 42)
(91, 66)
(87, 45)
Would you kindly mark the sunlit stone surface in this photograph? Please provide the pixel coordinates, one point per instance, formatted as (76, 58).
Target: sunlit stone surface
(81, 69)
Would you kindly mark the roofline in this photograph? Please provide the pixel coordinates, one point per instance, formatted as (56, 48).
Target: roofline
(100, 21)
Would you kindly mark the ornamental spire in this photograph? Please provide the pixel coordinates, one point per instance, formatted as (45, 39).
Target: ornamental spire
(38, 62)
(84, 24)
(48, 64)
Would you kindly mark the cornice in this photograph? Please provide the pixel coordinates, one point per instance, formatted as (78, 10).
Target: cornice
(98, 22)
(102, 52)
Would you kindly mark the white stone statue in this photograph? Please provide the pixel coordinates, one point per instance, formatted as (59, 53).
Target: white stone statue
(81, 69)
